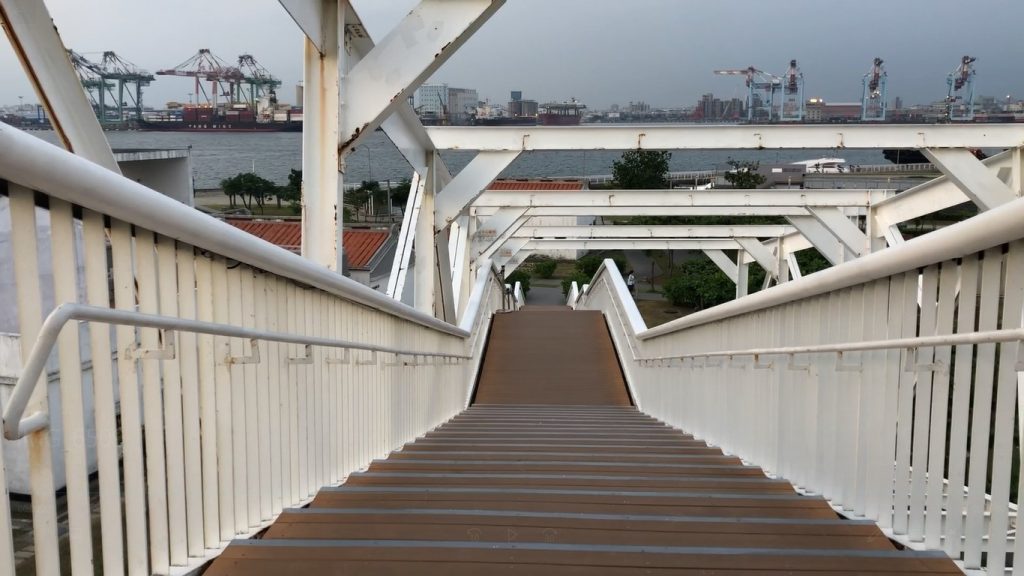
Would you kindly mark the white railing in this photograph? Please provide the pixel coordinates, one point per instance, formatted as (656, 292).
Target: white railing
(236, 381)
(888, 384)
(573, 295)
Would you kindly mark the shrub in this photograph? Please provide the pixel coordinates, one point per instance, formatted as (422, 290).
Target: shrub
(545, 268)
(698, 284)
(519, 276)
(580, 279)
(589, 264)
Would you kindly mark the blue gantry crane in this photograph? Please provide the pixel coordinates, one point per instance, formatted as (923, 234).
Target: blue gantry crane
(875, 102)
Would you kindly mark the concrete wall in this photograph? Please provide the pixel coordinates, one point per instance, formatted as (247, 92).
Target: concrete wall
(166, 171)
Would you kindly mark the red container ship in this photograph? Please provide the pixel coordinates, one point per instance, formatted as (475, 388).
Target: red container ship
(561, 113)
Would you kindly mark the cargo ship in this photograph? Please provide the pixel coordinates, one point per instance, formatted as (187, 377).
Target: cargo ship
(561, 113)
(236, 118)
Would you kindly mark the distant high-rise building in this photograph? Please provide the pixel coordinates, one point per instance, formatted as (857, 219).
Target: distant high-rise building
(462, 104)
(430, 100)
(898, 103)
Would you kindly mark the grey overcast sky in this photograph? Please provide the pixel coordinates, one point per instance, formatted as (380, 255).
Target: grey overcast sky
(602, 52)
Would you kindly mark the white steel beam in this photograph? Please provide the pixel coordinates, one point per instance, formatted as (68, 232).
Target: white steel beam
(508, 250)
(322, 185)
(820, 237)
(402, 60)
(724, 263)
(425, 271)
(35, 40)
(469, 183)
(517, 260)
(793, 265)
(982, 186)
(668, 211)
(742, 274)
(690, 198)
(843, 229)
(608, 244)
(444, 296)
(406, 237)
(654, 231)
(760, 254)
(495, 230)
(308, 15)
(929, 197)
(742, 137)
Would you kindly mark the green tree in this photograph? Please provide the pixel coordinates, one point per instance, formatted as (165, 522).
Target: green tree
(744, 175)
(698, 284)
(642, 170)
(400, 194)
(291, 192)
(251, 188)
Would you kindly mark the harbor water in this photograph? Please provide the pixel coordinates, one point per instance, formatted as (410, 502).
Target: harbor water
(216, 156)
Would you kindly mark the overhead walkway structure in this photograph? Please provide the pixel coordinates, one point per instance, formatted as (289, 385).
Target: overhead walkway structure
(234, 407)
(552, 470)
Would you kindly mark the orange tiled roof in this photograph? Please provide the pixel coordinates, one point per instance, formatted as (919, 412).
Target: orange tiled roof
(284, 233)
(360, 245)
(552, 185)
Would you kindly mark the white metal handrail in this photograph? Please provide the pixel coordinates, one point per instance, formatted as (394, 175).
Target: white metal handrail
(991, 228)
(969, 338)
(16, 427)
(29, 161)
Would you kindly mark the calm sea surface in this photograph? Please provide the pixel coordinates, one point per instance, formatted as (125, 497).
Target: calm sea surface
(219, 155)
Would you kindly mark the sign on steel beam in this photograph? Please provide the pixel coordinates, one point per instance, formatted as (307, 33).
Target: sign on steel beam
(820, 237)
(843, 229)
(497, 228)
(724, 263)
(468, 184)
(409, 54)
(761, 254)
(733, 137)
(964, 169)
(42, 53)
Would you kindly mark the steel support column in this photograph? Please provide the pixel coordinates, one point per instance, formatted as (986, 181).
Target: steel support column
(724, 263)
(322, 184)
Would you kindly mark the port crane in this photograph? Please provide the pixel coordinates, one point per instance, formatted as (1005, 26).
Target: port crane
(762, 89)
(109, 82)
(874, 102)
(960, 97)
(204, 67)
(257, 82)
(793, 106)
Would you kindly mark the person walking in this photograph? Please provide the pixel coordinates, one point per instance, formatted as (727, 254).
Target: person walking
(631, 283)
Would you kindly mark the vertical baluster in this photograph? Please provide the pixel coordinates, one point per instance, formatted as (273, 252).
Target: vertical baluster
(348, 416)
(1006, 397)
(948, 280)
(30, 318)
(107, 457)
(168, 283)
(229, 512)
(891, 380)
(189, 366)
(131, 403)
(297, 319)
(207, 384)
(848, 410)
(65, 290)
(287, 410)
(331, 380)
(263, 423)
(905, 410)
(981, 417)
(275, 383)
(152, 404)
(967, 307)
(239, 455)
(880, 451)
(860, 331)
(250, 386)
(922, 405)
(316, 311)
